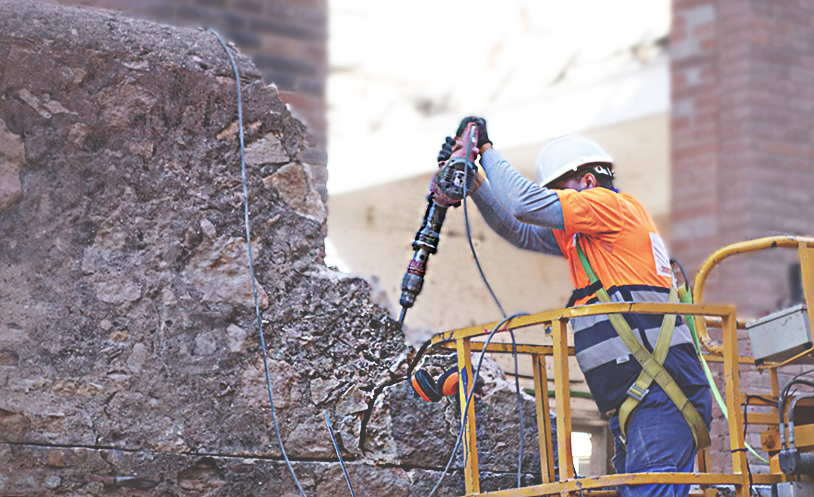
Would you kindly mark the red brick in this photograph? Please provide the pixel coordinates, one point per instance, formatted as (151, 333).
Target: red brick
(704, 31)
(303, 102)
(254, 7)
(316, 52)
(681, 5)
(280, 45)
(781, 148)
(310, 3)
(756, 97)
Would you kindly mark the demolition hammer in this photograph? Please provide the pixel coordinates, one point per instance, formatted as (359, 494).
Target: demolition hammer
(454, 180)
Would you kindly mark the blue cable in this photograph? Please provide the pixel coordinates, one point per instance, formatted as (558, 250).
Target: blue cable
(338, 454)
(251, 262)
(472, 248)
(514, 344)
(469, 398)
(519, 408)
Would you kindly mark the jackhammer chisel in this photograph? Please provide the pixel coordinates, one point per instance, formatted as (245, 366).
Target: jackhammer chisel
(454, 180)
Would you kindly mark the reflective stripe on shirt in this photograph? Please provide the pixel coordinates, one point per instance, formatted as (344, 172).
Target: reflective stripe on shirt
(597, 343)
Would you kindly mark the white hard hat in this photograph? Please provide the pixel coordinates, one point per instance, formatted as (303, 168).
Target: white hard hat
(566, 153)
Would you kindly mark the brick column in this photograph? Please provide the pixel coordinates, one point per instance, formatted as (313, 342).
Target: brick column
(742, 138)
(742, 150)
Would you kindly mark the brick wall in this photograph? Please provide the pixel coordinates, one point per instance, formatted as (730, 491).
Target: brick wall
(286, 39)
(742, 148)
(742, 129)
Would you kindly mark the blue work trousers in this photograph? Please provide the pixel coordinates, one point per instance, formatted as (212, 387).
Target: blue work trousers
(658, 441)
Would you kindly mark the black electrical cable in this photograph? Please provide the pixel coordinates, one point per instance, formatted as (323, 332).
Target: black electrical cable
(764, 399)
(746, 414)
(251, 262)
(503, 312)
(338, 454)
(469, 398)
(788, 385)
(417, 358)
(791, 417)
(472, 247)
(746, 424)
(681, 268)
(519, 408)
(786, 392)
(782, 402)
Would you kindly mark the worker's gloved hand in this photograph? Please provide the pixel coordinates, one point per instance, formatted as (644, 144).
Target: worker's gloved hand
(483, 137)
(446, 150)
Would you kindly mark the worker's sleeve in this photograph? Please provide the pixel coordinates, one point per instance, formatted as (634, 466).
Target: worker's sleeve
(523, 199)
(523, 235)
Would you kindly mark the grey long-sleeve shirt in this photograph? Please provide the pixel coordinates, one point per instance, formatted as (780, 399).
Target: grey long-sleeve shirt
(517, 209)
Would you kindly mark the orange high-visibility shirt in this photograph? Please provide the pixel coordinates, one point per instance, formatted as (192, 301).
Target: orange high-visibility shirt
(618, 237)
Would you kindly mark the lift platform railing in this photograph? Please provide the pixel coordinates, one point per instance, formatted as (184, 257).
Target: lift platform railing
(805, 252)
(719, 316)
(559, 351)
(805, 249)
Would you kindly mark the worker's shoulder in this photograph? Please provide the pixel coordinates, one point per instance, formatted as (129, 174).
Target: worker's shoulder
(626, 197)
(611, 199)
(597, 194)
(617, 201)
(601, 193)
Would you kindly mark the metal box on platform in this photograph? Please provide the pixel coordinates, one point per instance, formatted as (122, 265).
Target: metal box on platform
(781, 335)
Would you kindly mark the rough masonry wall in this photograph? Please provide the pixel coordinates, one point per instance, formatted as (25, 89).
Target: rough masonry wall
(130, 363)
(286, 40)
(742, 151)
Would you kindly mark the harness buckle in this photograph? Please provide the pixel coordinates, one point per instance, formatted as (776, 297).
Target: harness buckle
(637, 393)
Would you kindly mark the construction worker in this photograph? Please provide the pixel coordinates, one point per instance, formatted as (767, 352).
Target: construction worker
(576, 205)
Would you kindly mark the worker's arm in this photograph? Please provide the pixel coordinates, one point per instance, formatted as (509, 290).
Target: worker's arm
(522, 235)
(524, 200)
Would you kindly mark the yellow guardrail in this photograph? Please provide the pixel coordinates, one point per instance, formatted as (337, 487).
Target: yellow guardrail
(559, 352)
(719, 316)
(805, 248)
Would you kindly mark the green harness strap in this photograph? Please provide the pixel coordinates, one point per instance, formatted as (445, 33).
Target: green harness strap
(652, 368)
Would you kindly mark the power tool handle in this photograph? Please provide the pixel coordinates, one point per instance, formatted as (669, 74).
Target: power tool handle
(469, 142)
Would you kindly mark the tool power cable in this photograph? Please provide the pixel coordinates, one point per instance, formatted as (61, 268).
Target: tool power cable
(338, 453)
(475, 376)
(469, 399)
(260, 322)
(511, 333)
(251, 261)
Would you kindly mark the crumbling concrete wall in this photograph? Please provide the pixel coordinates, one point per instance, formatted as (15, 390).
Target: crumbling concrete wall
(130, 363)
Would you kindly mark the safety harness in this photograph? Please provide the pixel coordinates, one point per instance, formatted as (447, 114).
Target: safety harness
(652, 364)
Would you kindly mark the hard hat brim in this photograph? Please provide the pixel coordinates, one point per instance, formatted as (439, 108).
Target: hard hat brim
(573, 166)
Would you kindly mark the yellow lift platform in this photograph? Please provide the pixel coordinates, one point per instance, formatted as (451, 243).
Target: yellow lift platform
(722, 317)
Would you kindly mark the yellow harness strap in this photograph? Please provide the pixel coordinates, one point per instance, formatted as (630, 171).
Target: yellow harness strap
(652, 368)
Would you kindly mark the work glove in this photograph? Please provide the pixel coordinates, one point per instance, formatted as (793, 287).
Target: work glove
(446, 150)
(483, 137)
